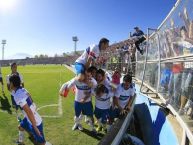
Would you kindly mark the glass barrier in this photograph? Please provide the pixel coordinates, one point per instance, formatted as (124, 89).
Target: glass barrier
(169, 59)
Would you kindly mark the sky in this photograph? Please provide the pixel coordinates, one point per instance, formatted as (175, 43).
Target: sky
(47, 26)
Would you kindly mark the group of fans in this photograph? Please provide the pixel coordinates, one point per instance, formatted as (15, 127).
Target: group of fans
(111, 100)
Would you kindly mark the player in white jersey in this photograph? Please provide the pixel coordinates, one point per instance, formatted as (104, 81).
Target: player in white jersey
(82, 103)
(1, 81)
(14, 71)
(32, 121)
(89, 56)
(103, 97)
(102, 78)
(124, 96)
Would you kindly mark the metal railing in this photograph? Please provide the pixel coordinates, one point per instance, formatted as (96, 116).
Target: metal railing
(168, 48)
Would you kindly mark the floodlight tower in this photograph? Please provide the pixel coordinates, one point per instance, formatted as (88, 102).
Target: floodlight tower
(75, 39)
(3, 47)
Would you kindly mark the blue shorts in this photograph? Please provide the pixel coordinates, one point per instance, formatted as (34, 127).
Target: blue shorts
(84, 108)
(102, 113)
(114, 113)
(29, 128)
(79, 67)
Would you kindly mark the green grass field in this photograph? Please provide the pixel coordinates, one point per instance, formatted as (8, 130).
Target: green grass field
(42, 81)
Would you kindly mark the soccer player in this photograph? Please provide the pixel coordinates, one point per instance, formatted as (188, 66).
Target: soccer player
(82, 103)
(93, 71)
(89, 56)
(102, 106)
(124, 96)
(1, 81)
(103, 78)
(14, 71)
(32, 121)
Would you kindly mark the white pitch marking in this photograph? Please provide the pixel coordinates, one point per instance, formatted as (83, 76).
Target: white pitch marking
(51, 105)
(60, 111)
(60, 98)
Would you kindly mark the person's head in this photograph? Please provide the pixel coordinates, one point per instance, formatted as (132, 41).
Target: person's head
(117, 69)
(93, 70)
(136, 29)
(15, 81)
(100, 90)
(127, 80)
(103, 44)
(14, 67)
(183, 32)
(100, 75)
(88, 74)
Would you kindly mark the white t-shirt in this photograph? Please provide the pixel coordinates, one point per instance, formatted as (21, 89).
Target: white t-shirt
(21, 98)
(106, 82)
(82, 89)
(124, 95)
(92, 51)
(20, 76)
(104, 102)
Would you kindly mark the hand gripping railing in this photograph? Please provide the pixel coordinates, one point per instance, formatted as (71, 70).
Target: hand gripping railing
(118, 129)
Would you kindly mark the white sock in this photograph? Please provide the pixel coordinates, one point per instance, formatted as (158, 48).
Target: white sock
(21, 136)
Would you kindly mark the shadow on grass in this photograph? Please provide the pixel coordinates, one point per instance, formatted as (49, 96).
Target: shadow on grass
(97, 136)
(5, 105)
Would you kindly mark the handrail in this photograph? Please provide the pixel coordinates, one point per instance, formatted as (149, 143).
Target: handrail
(118, 136)
(144, 67)
(159, 62)
(169, 14)
(145, 62)
(125, 125)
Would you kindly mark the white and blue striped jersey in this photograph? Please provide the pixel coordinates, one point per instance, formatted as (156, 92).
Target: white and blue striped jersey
(20, 76)
(92, 51)
(21, 98)
(82, 89)
(104, 102)
(124, 95)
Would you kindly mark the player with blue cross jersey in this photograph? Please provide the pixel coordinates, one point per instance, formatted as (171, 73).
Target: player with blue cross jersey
(89, 56)
(123, 98)
(32, 122)
(103, 97)
(82, 103)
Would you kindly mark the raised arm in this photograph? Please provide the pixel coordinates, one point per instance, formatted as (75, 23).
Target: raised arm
(31, 117)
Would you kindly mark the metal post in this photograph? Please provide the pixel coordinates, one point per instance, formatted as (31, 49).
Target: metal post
(144, 68)
(159, 66)
(3, 47)
(75, 39)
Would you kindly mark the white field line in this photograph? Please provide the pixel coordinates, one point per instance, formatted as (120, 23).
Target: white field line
(46, 116)
(51, 105)
(50, 116)
(60, 111)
